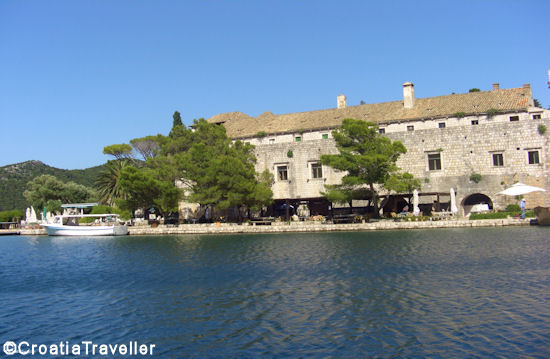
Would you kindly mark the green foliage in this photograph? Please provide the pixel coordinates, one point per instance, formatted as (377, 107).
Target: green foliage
(290, 154)
(513, 208)
(491, 215)
(475, 177)
(343, 194)
(217, 171)
(147, 147)
(261, 134)
(54, 206)
(14, 179)
(11, 216)
(262, 195)
(143, 189)
(460, 114)
(500, 215)
(102, 209)
(541, 129)
(108, 184)
(492, 112)
(366, 156)
(402, 183)
(177, 119)
(46, 188)
(119, 151)
(474, 90)
(537, 103)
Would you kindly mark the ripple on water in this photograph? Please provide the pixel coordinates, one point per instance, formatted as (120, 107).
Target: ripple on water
(437, 293)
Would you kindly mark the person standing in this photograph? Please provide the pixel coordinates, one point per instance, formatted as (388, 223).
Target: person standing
(522, 206)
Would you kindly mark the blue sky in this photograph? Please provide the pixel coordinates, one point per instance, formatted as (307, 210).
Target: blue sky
(76, 76)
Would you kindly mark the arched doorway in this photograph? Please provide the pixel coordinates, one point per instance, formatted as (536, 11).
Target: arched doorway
(476, 202)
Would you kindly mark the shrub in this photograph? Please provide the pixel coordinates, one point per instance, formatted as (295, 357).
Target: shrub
(460, 114)
(261, 134)
(474, 90)
(541, 129)
(290, 154)
(475, 177)
(500, 215)
(491, 112)
(492, 215)
(11, 216)
(513, 208)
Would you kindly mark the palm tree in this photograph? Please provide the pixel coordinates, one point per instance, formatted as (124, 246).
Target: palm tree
(107, 182)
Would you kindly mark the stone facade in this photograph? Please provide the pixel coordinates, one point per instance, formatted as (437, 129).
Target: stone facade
(502, 146)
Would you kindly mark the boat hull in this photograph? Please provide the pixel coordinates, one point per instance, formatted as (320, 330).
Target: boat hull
(543, 215)
(59, 230)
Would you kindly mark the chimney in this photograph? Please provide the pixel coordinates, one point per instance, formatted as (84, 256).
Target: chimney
(548, 78)
(526, 86)
(496, 87)
(341, 101)
(408, 95)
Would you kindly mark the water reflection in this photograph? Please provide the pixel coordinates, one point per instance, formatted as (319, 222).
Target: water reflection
(379, 294)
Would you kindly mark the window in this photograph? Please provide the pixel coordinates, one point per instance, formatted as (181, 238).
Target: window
(271, 140)
(533, 157)
(282, 173)
(325, 136)
(298, 138)
(514, 118)
(442, 125)
(498, 160)
(316, 170)
(410, 128)
(475, 122)
(434, 161)
(381, 131)
(537, 116)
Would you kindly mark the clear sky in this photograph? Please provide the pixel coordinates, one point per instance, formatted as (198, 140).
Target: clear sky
(76, 76)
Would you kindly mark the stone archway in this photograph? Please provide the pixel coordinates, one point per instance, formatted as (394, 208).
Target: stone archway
(476, 201)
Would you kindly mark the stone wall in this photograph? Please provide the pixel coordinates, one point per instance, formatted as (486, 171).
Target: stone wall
(464, 149)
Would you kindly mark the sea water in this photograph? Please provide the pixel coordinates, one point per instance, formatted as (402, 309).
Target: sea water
(421, 293)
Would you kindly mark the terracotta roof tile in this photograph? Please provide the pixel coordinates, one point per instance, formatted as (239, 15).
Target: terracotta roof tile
(239, 124)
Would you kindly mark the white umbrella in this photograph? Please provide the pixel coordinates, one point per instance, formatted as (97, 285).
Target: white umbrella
(32, 217)
(416, 210)
(519, 189)
(454, 209)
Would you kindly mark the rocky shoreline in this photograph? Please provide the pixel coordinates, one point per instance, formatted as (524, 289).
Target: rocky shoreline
(283, 227)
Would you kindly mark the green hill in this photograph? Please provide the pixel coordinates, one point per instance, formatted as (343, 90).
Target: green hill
(14, 179)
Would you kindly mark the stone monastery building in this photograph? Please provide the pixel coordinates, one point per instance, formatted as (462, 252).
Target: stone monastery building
(498, 136)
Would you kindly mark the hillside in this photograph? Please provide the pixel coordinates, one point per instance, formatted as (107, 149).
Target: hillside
(14, 178)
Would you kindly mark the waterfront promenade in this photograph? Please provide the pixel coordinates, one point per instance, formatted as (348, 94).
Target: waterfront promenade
(282, 227)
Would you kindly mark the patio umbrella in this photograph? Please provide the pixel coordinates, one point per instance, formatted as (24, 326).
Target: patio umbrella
(454, 209)
(416, 210)
(32, 216)
(519, 189)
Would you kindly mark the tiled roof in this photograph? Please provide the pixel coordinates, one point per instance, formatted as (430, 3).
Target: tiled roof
(240, 125)
(224, 117)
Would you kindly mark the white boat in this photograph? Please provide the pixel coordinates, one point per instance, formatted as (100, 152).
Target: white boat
(103, 225)
(69, 223)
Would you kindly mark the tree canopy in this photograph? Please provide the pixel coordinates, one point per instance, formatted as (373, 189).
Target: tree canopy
(216, 171)
(47, 190)
(219, 172)
(367, 157)
(119, 151)
(143, 189)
